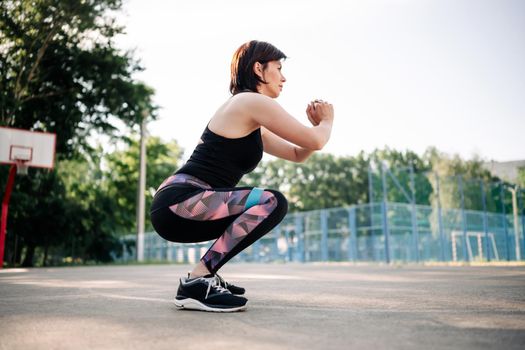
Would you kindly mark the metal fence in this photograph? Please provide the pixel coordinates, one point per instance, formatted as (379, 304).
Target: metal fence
(384, 231)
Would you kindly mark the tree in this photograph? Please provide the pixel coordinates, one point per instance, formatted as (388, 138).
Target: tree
(91, 235)
(30, 217)
(520, 181)
(61, 72)
(458, 176)
(121, 176)
(323, 181)
(326, 180)
(398, 176)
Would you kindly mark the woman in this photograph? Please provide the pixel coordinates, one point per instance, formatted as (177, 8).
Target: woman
(200, 202)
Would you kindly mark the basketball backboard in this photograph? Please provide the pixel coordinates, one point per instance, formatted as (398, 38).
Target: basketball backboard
(22, 149)
(32, 148)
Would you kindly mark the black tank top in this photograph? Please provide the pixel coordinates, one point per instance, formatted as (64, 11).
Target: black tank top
(221, 161)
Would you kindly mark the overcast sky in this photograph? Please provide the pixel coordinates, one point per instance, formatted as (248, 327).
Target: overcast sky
(407, 74)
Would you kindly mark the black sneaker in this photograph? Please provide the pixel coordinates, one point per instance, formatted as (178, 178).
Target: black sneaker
(231, 287)
(206, 294)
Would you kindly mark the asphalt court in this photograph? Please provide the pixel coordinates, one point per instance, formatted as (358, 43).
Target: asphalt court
(291, 306)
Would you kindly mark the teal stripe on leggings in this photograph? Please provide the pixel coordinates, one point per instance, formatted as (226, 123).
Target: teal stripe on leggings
(254, 197)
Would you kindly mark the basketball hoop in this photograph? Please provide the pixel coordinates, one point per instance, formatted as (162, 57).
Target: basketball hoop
(22, 149)
(21, 166)
(21, 156)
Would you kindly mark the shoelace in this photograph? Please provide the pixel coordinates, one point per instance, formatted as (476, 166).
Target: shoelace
(213, 282)
(221, 281)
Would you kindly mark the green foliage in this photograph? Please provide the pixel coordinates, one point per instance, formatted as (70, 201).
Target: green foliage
(60, 71)
(398, 166)
(521, 197)
(92, 206)
(36, 196)
(103, 191)
(122, 176)
(470, 176)
(521, 177)
(79, 208)
(325, 181)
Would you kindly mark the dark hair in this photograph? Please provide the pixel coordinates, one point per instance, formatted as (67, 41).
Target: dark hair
(242, 75)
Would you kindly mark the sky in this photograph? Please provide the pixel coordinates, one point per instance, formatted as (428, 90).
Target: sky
(403, 74)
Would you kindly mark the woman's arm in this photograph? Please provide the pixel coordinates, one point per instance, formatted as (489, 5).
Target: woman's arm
(280, 148)
(269, 114)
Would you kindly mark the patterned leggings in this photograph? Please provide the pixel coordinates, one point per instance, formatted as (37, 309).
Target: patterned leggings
(186, 209)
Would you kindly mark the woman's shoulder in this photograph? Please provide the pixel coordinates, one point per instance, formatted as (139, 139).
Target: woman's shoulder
(250, 99)
(248, 108)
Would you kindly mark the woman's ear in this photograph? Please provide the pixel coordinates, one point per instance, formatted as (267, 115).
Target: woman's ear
(258, 69)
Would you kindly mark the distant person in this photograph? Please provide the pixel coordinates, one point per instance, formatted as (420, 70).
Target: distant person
(200, 202)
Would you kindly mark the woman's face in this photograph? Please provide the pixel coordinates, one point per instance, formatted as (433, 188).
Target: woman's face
(273, 77)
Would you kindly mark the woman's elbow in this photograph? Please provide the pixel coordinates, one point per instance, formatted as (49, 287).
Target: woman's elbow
(300, 159)
(302, 154)
(317, 144)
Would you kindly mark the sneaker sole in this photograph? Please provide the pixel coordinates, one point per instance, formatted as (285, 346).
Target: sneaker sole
(192, 304)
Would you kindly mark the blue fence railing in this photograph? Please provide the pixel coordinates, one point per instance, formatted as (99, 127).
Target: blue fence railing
(370, 232)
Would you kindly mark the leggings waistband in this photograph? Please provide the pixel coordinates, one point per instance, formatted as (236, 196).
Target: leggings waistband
(184, 179)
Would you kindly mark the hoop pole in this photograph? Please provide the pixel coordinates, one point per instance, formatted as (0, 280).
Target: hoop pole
(5, 207)
(141, 193)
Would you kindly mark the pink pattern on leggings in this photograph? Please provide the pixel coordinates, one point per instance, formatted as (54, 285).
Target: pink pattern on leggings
(239, 229)
(213, 205)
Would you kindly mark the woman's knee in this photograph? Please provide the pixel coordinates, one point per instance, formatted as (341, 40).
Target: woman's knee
(282, 204)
